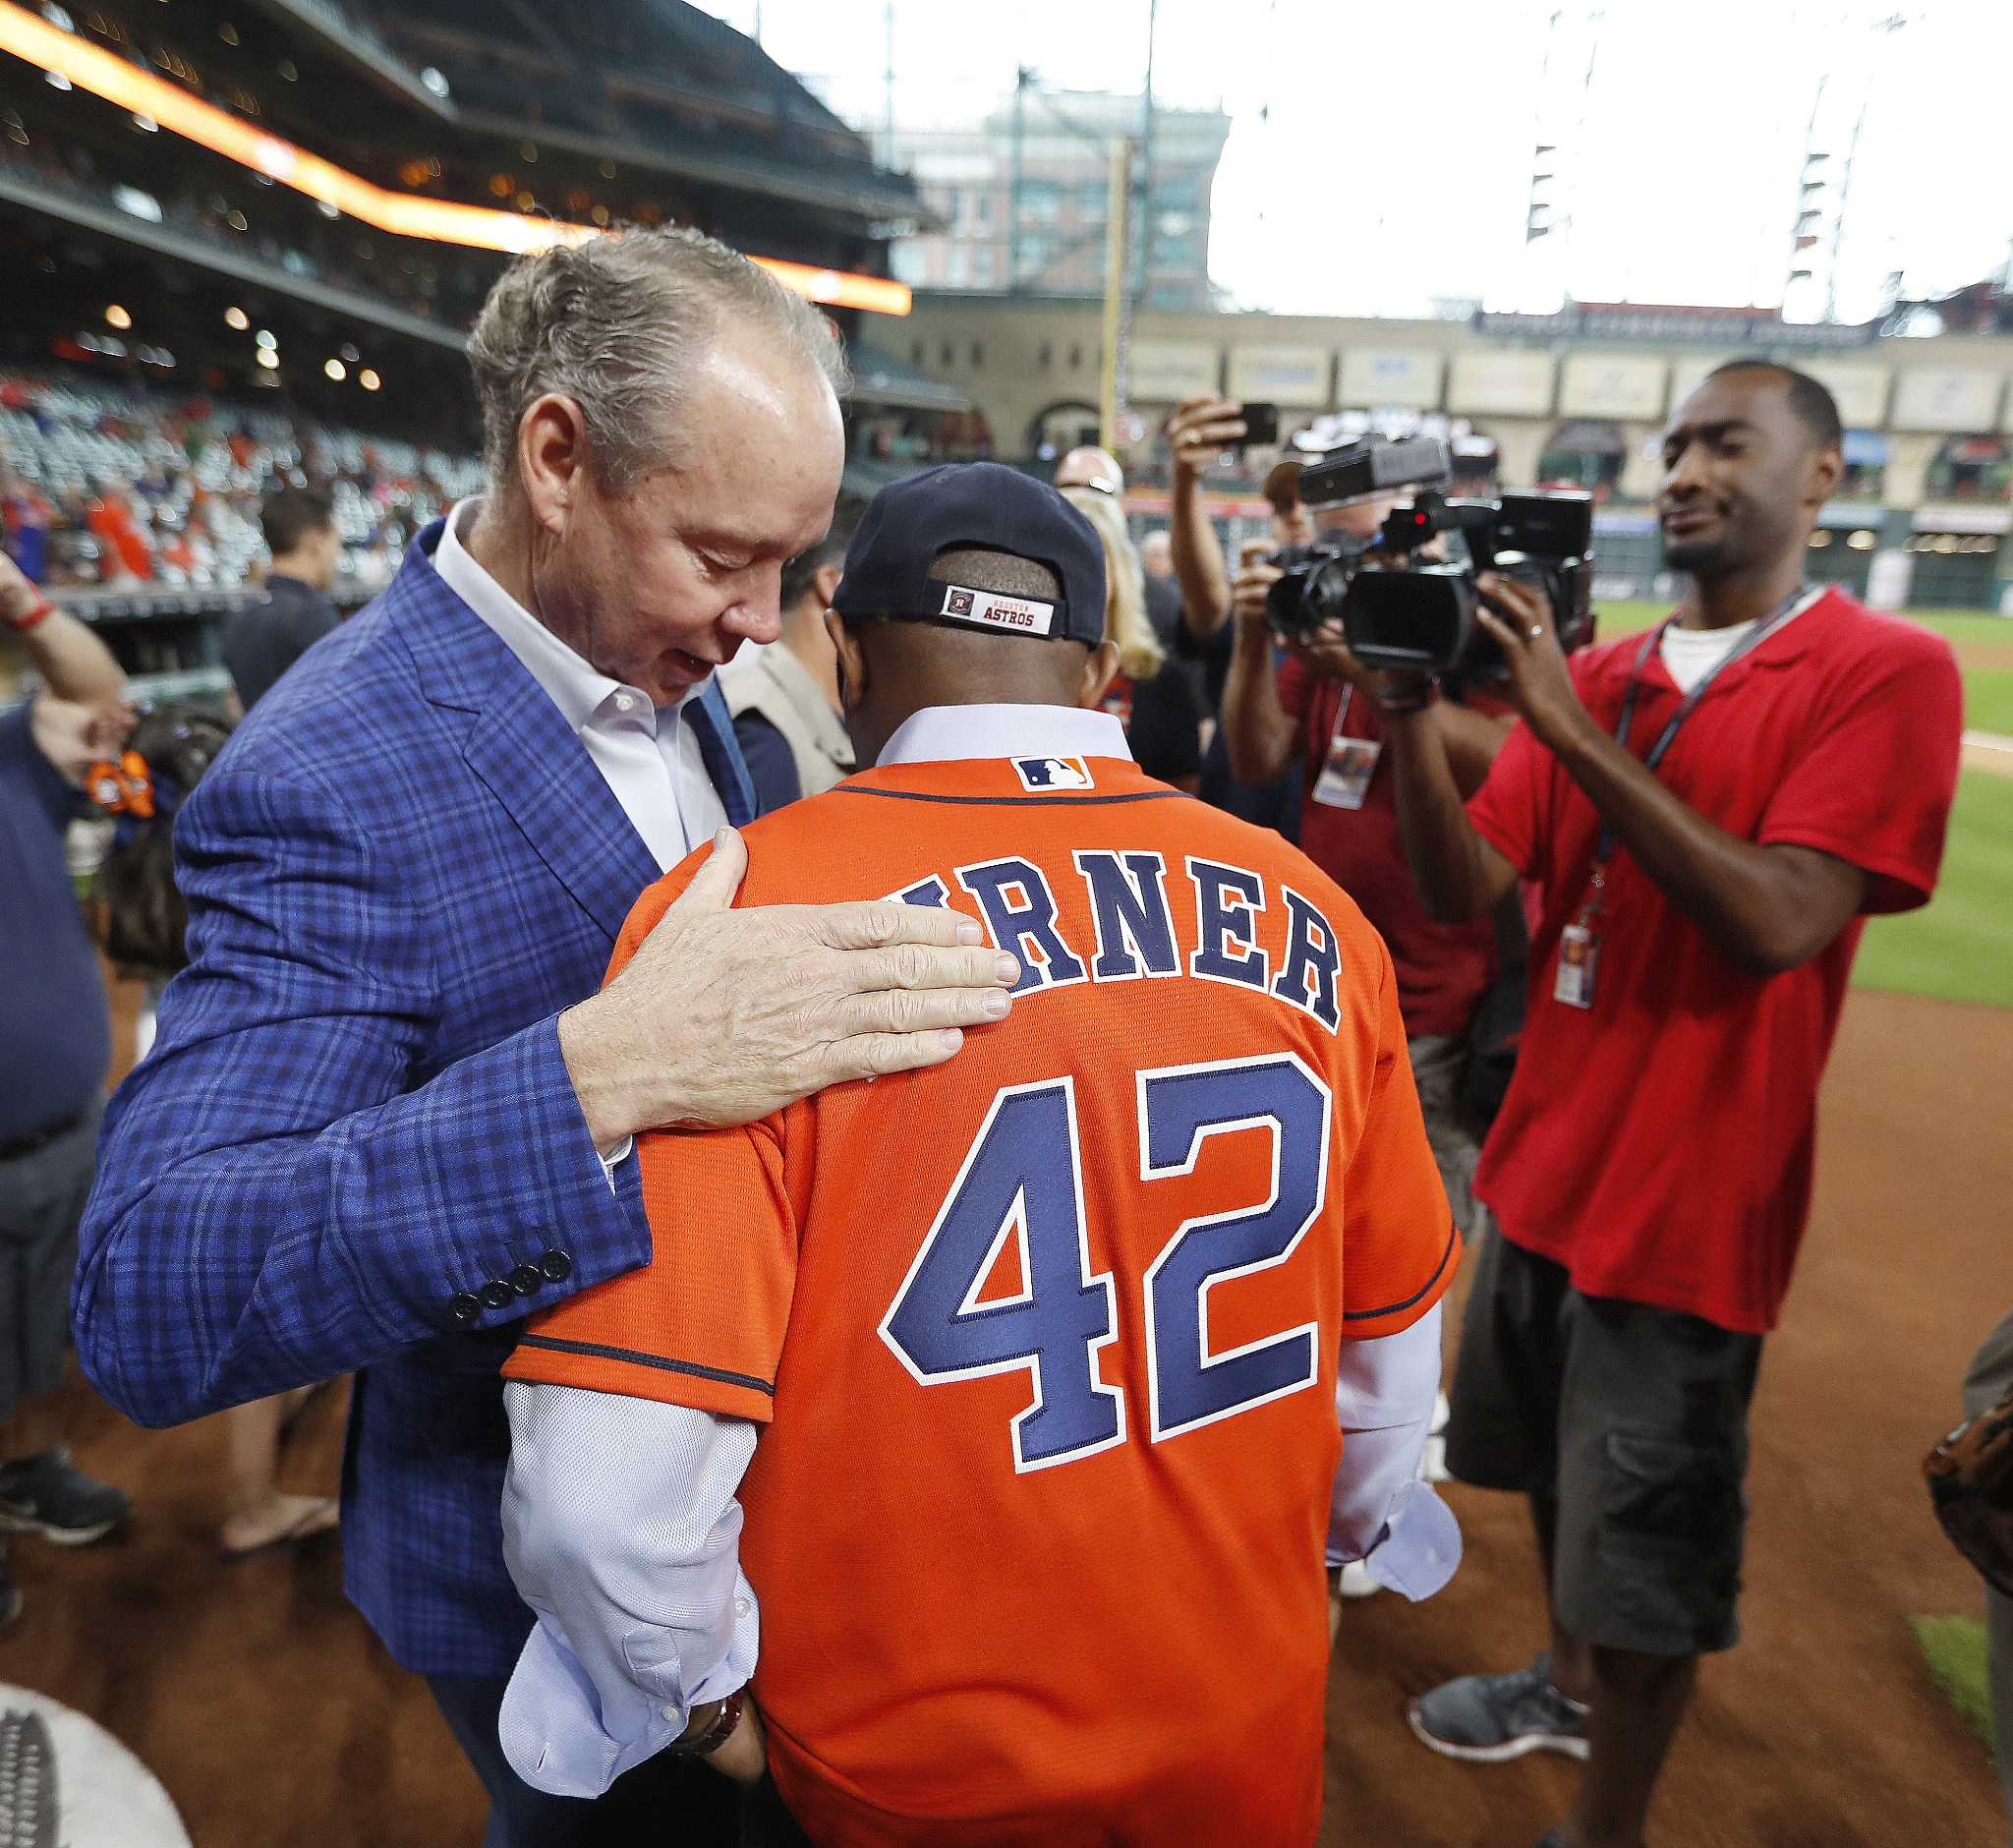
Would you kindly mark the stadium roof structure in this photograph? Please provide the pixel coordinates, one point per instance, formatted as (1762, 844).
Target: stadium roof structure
(657, 84)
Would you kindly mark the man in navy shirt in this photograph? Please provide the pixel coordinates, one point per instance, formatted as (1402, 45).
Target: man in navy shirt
(54, 1021)
(262, 642)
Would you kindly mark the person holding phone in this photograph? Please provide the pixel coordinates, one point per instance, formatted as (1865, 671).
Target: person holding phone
(1200, 432)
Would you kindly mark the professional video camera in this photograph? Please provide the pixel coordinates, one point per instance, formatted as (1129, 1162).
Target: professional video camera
(1399, 614)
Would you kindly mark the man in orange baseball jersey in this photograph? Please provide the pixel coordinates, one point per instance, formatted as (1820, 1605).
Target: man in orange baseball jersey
(1071, 1362)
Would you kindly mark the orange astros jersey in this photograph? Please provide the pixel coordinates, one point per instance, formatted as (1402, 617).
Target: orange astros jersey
(1045, 1338)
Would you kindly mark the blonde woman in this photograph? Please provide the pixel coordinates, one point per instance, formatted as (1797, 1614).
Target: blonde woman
(1151, 698)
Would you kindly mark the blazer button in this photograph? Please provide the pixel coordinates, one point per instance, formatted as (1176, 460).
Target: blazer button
(498, 1294)
(464, 1308)
(557, 1265)
(525, 1279)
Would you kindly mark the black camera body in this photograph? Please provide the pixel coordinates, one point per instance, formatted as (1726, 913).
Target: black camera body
(1397, 613)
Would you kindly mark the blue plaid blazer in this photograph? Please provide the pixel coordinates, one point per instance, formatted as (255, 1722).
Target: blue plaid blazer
(355, 1147)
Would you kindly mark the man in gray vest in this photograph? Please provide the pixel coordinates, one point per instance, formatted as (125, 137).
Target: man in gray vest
(785, 695)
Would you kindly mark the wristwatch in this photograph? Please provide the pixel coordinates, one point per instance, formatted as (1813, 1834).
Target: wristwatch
(705, 1745)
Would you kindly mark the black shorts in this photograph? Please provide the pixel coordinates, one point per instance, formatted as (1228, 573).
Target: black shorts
(1627, 1425)
(41, 1204)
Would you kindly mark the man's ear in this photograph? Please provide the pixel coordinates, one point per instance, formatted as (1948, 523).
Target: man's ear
(552, 459)
(1099, 667)
(825, 580)
(852, 659)
(1826, 472)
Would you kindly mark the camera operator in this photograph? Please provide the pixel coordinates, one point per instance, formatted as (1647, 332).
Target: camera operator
(1709, 812)
(1200, 432)
(1320, 709)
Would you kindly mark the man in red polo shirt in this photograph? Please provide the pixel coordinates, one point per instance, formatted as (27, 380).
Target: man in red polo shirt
(1709, 812)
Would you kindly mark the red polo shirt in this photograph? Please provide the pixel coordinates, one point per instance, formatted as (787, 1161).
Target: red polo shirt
(1442, 968)
(1659, 1145)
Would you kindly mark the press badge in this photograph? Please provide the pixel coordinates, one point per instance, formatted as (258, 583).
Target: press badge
(1579, 956)
(1344, 781)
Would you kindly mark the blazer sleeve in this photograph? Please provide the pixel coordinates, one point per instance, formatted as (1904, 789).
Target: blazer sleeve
(280, 1198)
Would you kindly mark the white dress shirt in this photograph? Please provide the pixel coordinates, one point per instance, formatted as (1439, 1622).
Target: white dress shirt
(634, 1571)
(646, 755)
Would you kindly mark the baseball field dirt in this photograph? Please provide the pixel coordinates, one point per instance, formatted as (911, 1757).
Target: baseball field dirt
(260, 1700)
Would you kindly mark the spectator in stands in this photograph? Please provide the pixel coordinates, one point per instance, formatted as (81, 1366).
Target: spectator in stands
(264, 641)
(784, 697)
(57, 1030)
(1200, 431)
(25, 514)
(1150, 695)
(1092, 468)
(391, 1109)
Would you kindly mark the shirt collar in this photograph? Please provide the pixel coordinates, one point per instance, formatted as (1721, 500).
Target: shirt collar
(949, 734)
(573, 683)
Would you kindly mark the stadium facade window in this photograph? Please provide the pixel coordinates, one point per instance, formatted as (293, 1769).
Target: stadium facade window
(948, 356)
(978, 354)
(1076, 359)
(1047, 356)
(1040, 202)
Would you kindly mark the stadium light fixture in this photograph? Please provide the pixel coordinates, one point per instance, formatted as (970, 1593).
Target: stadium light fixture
(335, 370)
(268, 341)
(369, 380)
(117, 316)
(236, 317)
(269, 359)
(167, 105)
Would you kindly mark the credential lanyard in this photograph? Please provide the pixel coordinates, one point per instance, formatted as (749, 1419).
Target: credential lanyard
(1747, 645)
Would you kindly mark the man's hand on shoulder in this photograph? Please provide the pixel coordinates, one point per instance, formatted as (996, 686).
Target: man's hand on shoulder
(724, 1015)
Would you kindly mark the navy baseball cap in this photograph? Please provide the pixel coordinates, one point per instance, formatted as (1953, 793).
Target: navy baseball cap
(974, 506)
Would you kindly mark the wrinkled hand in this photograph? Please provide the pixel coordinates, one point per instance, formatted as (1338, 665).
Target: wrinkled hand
(1520, 618)
(74, 737)
(743, 1755)
(722, 1016)
(1201, 430)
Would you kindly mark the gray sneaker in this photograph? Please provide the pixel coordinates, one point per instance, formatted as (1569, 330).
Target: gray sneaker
(1492, 1718)
(50, 1495)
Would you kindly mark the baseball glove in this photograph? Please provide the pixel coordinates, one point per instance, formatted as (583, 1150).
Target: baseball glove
(1970, 1475)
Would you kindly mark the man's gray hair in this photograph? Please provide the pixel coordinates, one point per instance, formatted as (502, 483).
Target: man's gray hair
(616, 324)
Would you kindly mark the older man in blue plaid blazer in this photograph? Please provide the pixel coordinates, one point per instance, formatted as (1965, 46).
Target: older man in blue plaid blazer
(388, 1114)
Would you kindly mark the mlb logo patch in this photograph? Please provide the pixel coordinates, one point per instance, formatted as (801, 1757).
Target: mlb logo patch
(1053, 773)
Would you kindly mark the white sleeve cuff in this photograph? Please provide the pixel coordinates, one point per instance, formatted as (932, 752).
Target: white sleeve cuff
(613, 1158)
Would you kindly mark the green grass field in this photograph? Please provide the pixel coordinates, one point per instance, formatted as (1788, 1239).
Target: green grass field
(1957, 946)
(1954, 1649)
(1960, 945)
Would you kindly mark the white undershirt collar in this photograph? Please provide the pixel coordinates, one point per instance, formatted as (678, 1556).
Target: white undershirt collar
(949, 735)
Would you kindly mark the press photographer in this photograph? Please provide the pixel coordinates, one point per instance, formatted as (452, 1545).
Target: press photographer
(1320, 709)
(1709, 812)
